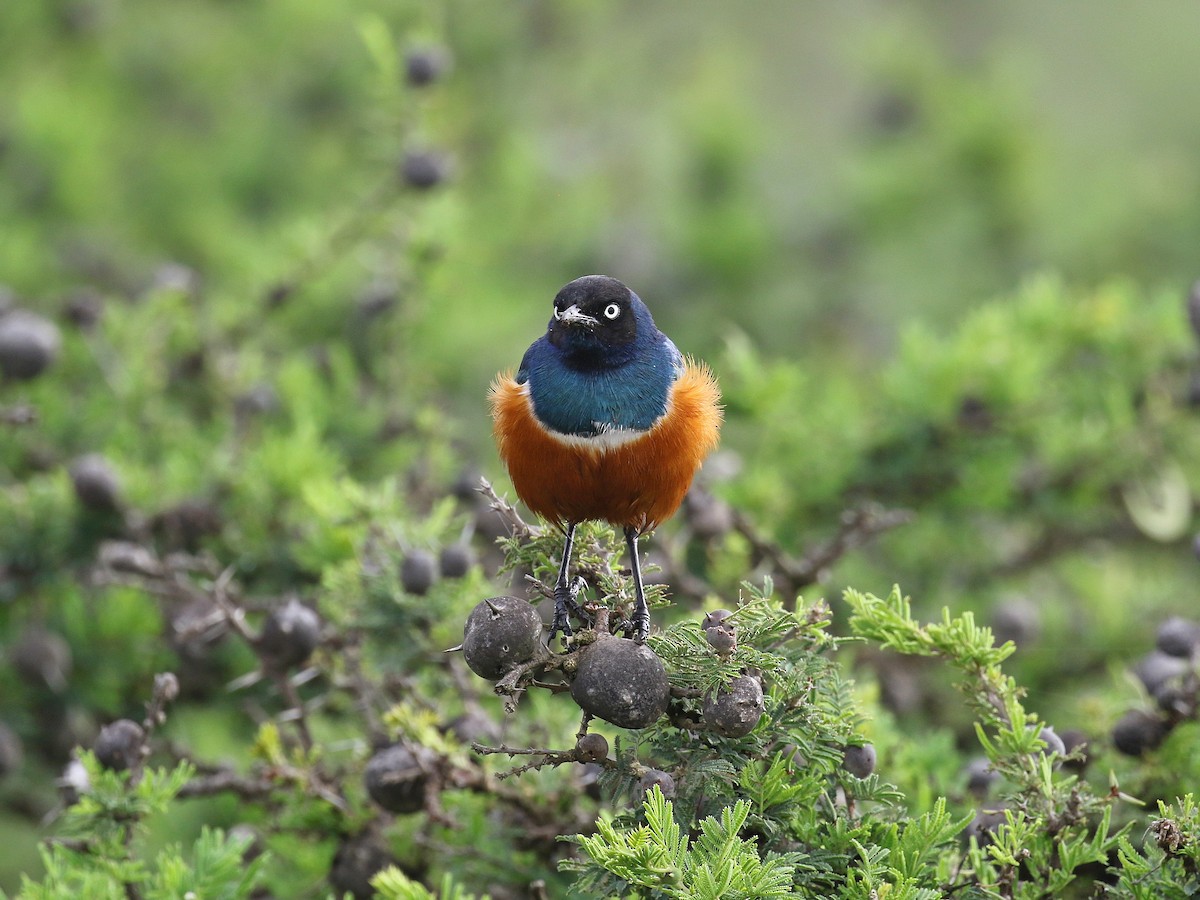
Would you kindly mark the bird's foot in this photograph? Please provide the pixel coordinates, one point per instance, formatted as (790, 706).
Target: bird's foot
(565, 606)
(637, 626)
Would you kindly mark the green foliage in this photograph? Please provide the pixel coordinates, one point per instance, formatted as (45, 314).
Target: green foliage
(392, 884)
(1170, 866)
(218, 868)
(99, 854)
(215, 867)
(114, 803)
(282, 350)
(38, 523)
(658, 860)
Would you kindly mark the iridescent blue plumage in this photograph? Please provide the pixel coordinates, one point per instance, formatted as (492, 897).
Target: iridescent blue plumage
(606, 421)
(584, 387)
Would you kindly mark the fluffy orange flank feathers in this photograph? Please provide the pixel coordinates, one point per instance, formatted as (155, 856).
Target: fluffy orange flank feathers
(638, 484)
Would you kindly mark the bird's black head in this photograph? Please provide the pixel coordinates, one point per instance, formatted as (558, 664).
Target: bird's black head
(595, 320)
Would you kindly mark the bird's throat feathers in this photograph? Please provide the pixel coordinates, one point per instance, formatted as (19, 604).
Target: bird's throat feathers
(607, 404)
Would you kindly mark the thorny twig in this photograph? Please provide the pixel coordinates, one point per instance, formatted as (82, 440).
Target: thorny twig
(355, 683)
(166, 689)
(170, 580)
(296, 711)
(226, 780)
(234, 614)
(857, 526)
(548, 757)
(517, 526)
(513, 684)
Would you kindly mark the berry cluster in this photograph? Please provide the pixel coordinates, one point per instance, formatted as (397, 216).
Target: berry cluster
(1169, 673)
(29, 344)
(724, 684)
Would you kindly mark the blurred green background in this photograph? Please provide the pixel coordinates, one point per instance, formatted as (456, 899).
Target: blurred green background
(812, 175)
(789, 186)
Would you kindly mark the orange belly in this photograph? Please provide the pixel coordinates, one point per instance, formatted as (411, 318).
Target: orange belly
(637, 484)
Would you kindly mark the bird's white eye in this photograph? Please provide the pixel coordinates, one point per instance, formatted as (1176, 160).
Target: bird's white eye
(612, 311)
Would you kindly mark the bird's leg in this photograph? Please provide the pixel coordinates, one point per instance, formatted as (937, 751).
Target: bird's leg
(565, 591)
(639, 624)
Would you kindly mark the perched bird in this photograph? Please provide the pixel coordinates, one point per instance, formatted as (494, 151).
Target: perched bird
(604, 420)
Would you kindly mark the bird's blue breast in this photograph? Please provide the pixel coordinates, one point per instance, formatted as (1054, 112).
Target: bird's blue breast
(632, 393)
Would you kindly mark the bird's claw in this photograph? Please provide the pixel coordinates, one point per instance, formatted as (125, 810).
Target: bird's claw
(637, 627)
(561, 622)
(565, 606)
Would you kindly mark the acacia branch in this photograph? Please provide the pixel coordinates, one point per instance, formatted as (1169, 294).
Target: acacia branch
(856, 527)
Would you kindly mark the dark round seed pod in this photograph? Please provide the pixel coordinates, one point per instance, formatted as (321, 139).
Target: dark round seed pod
(664, 780)
(1054, 744)
(1178, 637)
(396, 777)
(1075, 740)
(1138, 732)
(425, 65)
(716, 618)
(83, 308)
(975, 415)
(1016, 619)
(1156, 669)
(591, 747)
(466, 485)
(589, 780)
(474, 725)
(257, 400)
(735, 709)
(289, 636)
(358, 859)
(622, 682)
(489, 524)
(42, 658)
(424, 169)
(456, 560)
(185, 525)
(1175, 700)
(11, 752)
(980, 776)
(709, 517)
(723, 640)
(119, 745)
(29, 344)
(418, 572)
(96, 485)
(249, 838)
(500, 634)
(859, 759)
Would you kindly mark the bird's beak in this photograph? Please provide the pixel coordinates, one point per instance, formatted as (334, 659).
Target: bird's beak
(572, 316)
